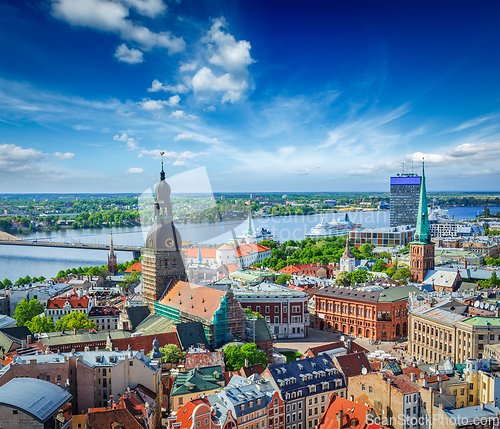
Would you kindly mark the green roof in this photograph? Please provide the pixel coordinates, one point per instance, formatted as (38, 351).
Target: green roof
(198, 381)
(394, 294)
(155, 324)
(251, 275)
(422, 231)
(483, 321)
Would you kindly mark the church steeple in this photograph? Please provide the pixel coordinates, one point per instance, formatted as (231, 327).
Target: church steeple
(421, 248)
(112, 266)
(423, 232)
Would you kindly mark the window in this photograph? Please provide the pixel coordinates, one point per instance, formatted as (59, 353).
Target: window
(181, 400)
(267, 309)
(48, 377)
(276, 319)
(285, 309)
(370, 389)
(471, 398)
(276, 309)
(198, 424)
(363, 387)
(14, 412)
(258, 309)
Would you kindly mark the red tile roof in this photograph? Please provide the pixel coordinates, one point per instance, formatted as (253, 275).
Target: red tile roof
(107, 419)
(193, 299)
(404, 384)
(185, 415)
(145, 342)
(315, 351)
(192, 360)
(205, 253)
(354, 415)
(74, 300)
(250, 249)
(353, 364)
(136, 267)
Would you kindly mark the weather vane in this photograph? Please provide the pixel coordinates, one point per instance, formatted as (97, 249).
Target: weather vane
(161, 154)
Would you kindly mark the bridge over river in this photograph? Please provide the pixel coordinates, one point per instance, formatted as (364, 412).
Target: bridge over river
(136, 250)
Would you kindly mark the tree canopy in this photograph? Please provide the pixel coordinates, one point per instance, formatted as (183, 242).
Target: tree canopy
(41, 324)
(26, 310)
(75, 320)
(170, 353)
(235, 356)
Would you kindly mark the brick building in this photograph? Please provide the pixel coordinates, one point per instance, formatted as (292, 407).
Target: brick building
(284, 309)
(375, 314)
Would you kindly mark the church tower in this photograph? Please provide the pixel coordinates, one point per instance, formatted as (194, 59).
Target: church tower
(421, 249)
(162, 261)
(112, 268)
(347, 261)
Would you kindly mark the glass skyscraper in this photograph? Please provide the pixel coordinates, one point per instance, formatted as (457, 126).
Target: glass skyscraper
(405, 192)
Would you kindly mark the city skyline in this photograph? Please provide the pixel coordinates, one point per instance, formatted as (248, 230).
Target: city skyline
(268, 96)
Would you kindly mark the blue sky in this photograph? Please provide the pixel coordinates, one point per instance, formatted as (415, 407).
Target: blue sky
(267, 95)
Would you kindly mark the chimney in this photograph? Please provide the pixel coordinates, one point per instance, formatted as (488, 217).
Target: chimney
(465, 264)
(28, 340)
(246, 362)
(482, 405)
(340, 418)
(96, 348)
(413, 377)
(441, 408)
(368, 417)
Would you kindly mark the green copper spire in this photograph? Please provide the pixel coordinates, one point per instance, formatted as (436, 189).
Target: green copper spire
(423, 232)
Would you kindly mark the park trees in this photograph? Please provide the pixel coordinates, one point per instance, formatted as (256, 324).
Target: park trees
(41, 324)
(235, 356)
(26, 310)
(170, 353)
(75, 320)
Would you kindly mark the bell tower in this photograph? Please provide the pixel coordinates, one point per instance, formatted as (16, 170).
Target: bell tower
(112, 268)
(162, 262)
(421, 249)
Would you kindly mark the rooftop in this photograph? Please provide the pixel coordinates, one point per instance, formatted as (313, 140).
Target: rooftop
(37, 398)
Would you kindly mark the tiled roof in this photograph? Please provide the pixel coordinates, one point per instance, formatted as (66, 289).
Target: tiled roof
(205, 253)
(247, 371)
(392, 294)
(404, 384)
(184, 416)
(145, 342)
(354, 414)
(315, 351)
(108, 419)
(353, 364)
(193, 299)
(153, 324)
(137, 314)
(73, 300)
(104, 311)
(135, 267)
(204, 359)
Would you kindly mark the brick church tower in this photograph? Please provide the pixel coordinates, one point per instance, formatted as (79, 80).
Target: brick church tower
(112, 268)
(161, 256)
(421, 249)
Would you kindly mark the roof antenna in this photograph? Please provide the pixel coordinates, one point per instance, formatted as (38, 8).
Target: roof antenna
(403, 168)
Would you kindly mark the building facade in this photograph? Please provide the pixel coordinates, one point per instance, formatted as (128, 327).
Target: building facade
(306, 386)
(284, 309)
(57, 308)
(347, 261)
(382, 237)
(105, 318)
(376, 314)
(405, 190)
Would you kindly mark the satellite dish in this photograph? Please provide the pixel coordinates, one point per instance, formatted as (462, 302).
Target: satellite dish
(481, 305)
(492, 307)
(476, 304)
(342, 338)
(364, 370)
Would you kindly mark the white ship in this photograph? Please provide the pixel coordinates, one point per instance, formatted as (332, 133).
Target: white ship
(336, 227)
(251, 236)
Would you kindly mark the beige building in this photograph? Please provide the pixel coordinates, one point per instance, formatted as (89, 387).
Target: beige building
(439, 330)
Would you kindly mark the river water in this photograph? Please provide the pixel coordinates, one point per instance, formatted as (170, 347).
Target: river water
(19, 261)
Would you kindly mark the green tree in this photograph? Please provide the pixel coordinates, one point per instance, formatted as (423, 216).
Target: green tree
(41, 324)
(75, 320)
(250, 314)
(494, 281)
(385, 255)
(343, 279)
(359, 276)
(282, 279)
(233, 358)
(7, 283)
(402, 275)
(170, 353)
(133, 277)
(26, 310)
(249, 351)
(379, 266)
(367, 249)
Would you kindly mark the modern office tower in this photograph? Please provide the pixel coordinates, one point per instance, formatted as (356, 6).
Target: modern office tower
(405, 192)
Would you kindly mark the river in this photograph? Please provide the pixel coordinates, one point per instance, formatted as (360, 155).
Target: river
(19, 261)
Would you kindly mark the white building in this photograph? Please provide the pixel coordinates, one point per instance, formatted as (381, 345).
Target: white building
(59, 307)
(244, 255)
(347, 261)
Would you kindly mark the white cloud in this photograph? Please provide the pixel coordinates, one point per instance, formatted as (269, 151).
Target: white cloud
(64, 156)
(81, 127)
(177, 159)
(225, 51)
(287, 150)
(126, 55)
(158, 86)
(135, 170)
(131, 144)
(155, 105)
(303, 172)
(179, 114)
(112, 16)
(124, 114)
(184, 67)
(196, 137)
(15, 158)
(204, 81)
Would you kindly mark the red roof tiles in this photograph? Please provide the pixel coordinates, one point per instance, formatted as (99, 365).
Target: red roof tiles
(74, 301)
(135, 267)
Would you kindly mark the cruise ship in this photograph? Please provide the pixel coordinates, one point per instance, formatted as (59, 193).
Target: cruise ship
(335, 228)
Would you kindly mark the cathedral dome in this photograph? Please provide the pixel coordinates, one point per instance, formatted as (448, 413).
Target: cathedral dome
(162, 192)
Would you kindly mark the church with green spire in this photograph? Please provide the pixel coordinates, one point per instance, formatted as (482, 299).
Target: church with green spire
(421, 249)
